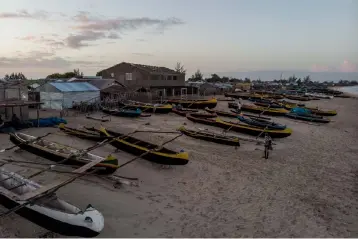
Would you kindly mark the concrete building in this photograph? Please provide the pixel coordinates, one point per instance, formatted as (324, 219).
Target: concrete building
(137, 75)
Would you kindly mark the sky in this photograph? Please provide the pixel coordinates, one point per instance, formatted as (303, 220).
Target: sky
(43, 37)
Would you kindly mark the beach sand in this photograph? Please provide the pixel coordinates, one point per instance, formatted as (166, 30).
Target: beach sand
(307, 187)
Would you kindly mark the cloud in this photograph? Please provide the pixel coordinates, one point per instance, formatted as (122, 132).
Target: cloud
(346, 66)
(42, 59)
(78, 40)
(142, 54)
(113, 36)
(49, 41)
(24, 15)
(89, 28)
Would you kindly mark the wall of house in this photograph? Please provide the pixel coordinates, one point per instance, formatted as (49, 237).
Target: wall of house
(16, 93)
(140, 77)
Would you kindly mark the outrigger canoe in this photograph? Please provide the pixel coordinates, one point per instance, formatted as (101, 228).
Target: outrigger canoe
(184, 112)
(308, 118)
(239, 127)
(57, 152)
(123, 112)
(149, 108)
(233, 114)
(210, 136)
(264, 110)
(313, 110)
(195, 104)
(51, 213)
(131, 145)
(261, 123)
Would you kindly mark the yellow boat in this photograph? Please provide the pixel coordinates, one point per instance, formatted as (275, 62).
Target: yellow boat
(195, 104)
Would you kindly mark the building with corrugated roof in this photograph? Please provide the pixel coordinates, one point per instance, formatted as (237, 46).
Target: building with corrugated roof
(62, 95)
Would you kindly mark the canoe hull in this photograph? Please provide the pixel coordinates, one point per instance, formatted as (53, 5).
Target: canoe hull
(211, 139)
(127, 147)
(46, 222)
(265, 112)
(262, 123)
(124, 113)
(56, 157)
(255, 131)
(307, 118)
(195, 104)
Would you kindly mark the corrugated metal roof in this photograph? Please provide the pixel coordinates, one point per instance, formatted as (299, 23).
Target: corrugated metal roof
(73, 86)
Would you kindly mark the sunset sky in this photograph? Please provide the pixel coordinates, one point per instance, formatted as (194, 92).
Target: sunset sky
(42, 37)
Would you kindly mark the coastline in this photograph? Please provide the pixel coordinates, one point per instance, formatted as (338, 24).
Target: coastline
(342, 89)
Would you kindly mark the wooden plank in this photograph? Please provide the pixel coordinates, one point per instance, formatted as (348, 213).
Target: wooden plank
(84, 168)
(50, 186)
(9, 194)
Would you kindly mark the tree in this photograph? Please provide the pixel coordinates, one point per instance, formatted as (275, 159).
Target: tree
(198, 76)
(75, 73)
(180, 68)
(15, 76)
(247, 80)
(306, 80)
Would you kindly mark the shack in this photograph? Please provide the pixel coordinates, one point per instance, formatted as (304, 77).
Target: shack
(62, 95)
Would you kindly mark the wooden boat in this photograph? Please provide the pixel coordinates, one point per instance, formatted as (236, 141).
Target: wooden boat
(299, 98)
(319, 95)
(51, 213)
(226, 99)
(210, 136)
(239, 127)
(307, 118)
(313, 110)
(271, 105)
(221, 113)
(264, 110)
(149, 108)
(195, 104)
(122, 112)
(250, 116)
(57, 152)
(321, 112)
(132, 145)
(195, 114)
(243, 95)
(261, 123)
(183, 112)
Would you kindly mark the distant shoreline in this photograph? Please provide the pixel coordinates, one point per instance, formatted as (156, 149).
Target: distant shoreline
(347, 90)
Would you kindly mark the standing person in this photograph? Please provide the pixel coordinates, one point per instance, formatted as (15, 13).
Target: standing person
(239, 104)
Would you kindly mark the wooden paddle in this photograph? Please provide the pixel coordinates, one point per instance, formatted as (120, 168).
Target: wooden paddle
(26, 142)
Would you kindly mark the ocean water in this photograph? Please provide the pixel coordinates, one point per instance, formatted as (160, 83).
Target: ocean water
(349, 89)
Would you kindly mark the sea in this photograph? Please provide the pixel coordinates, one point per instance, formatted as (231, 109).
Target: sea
(349, 89)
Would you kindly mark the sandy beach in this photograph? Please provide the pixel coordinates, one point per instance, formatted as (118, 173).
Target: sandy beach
(307, 188)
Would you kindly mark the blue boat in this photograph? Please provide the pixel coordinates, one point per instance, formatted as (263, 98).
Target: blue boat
(306, 115)
(261, 123)
(123, 112)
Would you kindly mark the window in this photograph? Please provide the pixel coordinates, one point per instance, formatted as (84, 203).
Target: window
(128, 76)
(174, 77)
